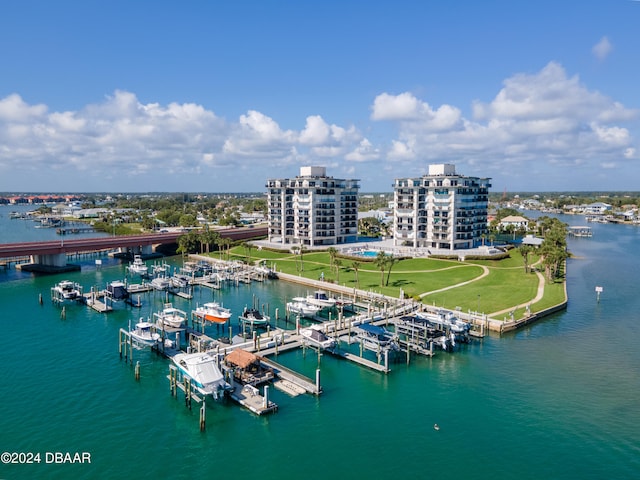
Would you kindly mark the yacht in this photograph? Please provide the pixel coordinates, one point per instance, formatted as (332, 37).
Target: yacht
(213, 312)
(66, 290)
(138, 267)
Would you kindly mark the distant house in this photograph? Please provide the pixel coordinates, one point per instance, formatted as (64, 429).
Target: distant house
(516, 221)
(597, 208)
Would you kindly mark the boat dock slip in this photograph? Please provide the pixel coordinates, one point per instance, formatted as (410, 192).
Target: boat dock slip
(359, 360)
(93, 300)
(294, 378)
(139, 287)
(250, 397)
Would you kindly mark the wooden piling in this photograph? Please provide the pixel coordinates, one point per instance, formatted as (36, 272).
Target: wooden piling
(137, 371)
(203, 415)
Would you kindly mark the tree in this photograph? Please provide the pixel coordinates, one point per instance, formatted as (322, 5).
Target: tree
(337, 264)
(228, 242)
(247, 248)
(209, 237)
(381, 263)
(525, 250)
(188, 243)
(302, 250)
(554, 246)
(356, 267)
(332, 251)
(391, 261)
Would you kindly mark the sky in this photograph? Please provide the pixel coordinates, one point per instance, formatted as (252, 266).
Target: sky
(219, 96)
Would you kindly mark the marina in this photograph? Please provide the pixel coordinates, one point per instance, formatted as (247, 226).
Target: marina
(504, 393)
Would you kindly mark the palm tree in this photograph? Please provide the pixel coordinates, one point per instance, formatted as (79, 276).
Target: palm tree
(227, 242)
(337, 264)
(356, 266)
(525, 250)
(381, 263)
(332, 251)
(247, 248)
(209, 237)
(302, 250)
(220, 242)
(391, 261)
(294, 250)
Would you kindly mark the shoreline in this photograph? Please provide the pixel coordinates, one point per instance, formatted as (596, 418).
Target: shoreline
(482, 320)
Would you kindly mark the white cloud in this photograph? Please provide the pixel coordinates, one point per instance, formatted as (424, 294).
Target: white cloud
(541, 117)
(602, 49)
(535, 120)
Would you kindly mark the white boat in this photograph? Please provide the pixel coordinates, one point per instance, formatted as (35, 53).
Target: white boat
(203, 371)
(213, 312)
(321, 299)
(254, 317)
(375, 338)
(138, 267)
(66, 290)
(300, 306)
(144, 335)
(315, 337)
(171, 316)
(446, 321)
(161, 283)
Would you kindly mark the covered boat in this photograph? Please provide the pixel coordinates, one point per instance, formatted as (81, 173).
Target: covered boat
(203, 370)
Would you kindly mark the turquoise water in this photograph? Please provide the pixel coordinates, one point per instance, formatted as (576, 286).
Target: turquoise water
(558, 399)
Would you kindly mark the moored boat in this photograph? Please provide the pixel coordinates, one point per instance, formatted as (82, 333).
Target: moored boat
(66, 290)
(315, 337)
(321, 299)
(300, 306)
(138, 267)
(170, 316)
(203, 369)
(144, 334)
(254, 317)
(213, 312)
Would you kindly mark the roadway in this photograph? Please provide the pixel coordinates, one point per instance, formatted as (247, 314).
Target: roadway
(66, 245)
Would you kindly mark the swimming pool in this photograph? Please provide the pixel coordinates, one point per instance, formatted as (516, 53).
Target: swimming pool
(367, 253)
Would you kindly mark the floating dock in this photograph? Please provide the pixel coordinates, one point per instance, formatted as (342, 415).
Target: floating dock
(250, 398)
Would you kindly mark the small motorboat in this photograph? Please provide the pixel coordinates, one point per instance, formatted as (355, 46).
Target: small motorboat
(254, 317)
(144, 334)
(213, 312)
(300, 306)
(171, 316)
(315, 337)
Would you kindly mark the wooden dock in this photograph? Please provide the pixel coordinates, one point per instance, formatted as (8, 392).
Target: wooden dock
(359, 360)
(93, 299)
(250, 398)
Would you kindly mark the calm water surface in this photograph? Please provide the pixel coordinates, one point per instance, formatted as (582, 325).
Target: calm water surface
(558, 399)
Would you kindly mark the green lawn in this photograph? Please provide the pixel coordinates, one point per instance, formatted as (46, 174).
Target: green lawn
(506, 286)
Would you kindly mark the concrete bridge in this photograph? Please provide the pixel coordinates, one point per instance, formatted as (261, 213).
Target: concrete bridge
(52, 255)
